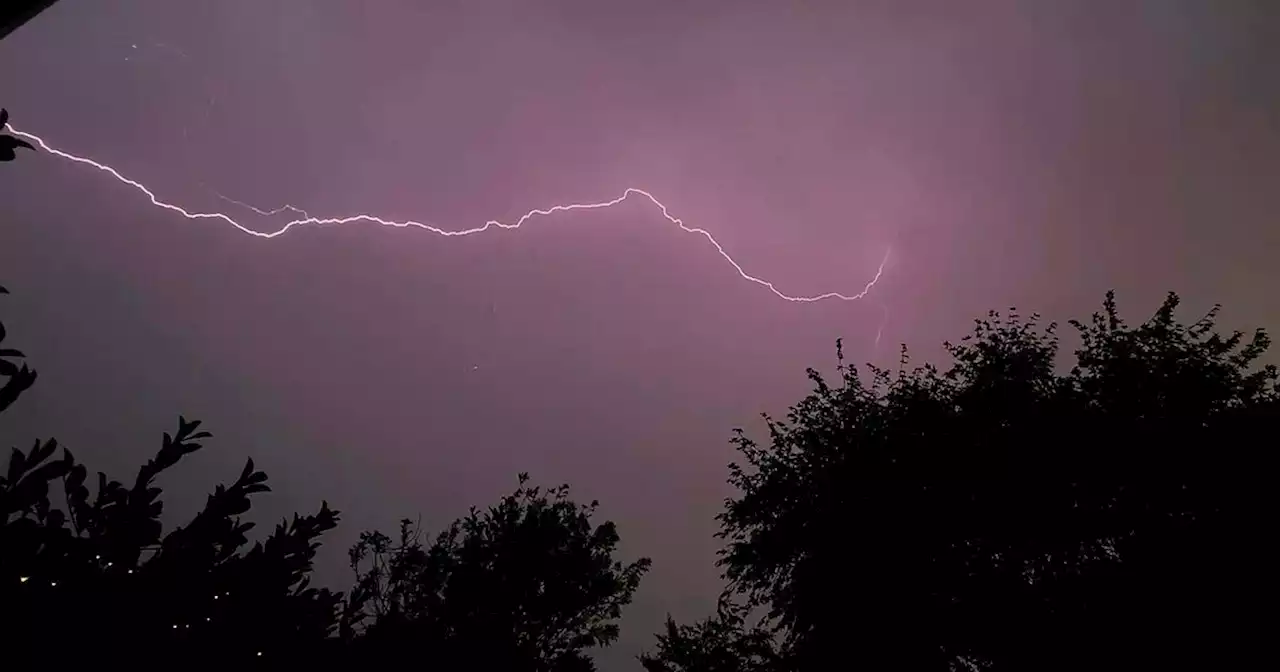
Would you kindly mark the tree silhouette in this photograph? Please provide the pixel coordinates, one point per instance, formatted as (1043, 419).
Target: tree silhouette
(1006, 514)
(529, 584)
(721, 643)
(97, 581)
(18, 379)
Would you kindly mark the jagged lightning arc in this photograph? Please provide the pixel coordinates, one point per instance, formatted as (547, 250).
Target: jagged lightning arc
(308, 219)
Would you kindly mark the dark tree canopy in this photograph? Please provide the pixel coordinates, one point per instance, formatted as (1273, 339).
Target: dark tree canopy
(721, 643)
(529, 584)
(96, 580)
(89, 577)
(1006, 513)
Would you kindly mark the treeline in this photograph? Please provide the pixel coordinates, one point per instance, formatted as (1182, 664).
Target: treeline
(1001, 514)
(1008, 513)
(88, 576)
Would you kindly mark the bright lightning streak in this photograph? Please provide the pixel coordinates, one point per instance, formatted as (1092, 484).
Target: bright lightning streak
(307, 219)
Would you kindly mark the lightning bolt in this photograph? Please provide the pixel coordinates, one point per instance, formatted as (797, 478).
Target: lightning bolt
(265, 213)
(880, 329)
(541, 212)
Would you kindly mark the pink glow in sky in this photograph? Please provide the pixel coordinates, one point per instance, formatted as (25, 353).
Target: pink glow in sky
(1030, 153)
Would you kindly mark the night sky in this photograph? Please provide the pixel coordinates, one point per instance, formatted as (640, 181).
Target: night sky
(1008, 153)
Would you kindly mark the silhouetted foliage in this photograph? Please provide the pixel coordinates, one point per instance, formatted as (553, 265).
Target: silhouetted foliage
(529, 584)
(1005, 514)
(722, 643)
(18, 379)
(97, 581)
(8, 143)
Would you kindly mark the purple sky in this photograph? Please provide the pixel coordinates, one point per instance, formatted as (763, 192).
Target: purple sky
(1011, 153)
